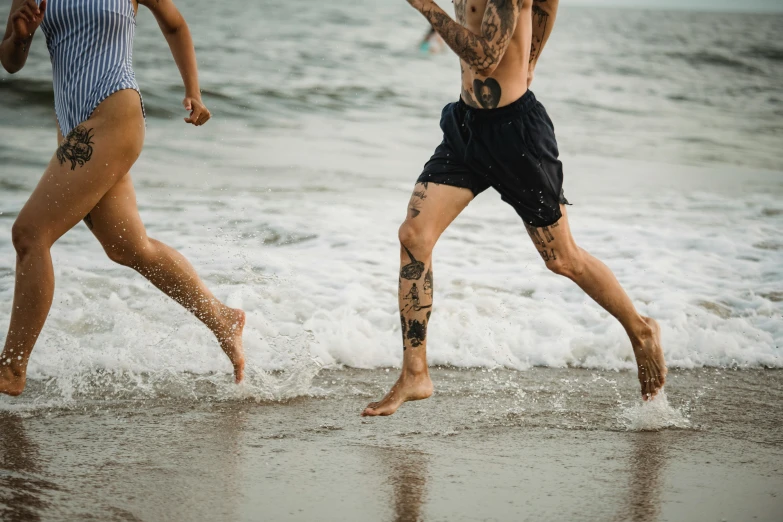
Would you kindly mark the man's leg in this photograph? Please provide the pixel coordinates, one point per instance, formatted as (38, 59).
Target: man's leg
(561, 254)
(115, 221)
(431, 209)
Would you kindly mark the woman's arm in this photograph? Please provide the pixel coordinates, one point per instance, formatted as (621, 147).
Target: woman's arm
(23, 21)
(177, 34)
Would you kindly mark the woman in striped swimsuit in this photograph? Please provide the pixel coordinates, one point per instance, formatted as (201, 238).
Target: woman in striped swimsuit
(101, 117)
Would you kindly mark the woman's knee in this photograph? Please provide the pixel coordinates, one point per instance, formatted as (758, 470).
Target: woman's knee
(131, 255)
(416, 239)
(28, 238)
(569, 264)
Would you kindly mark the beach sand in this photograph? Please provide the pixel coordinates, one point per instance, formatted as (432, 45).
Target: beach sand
(544, 444)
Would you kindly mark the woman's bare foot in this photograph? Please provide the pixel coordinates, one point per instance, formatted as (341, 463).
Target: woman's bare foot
(409, 387)
(12, 382)
(230, 338)
(649, 358)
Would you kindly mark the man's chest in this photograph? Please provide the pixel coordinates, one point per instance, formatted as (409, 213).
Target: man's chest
(470, 13)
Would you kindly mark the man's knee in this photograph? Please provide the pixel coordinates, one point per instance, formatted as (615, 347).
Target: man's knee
(568, 264)
(415, 239)
(27, 239)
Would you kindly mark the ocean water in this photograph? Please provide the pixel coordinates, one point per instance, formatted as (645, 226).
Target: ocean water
(670, 127)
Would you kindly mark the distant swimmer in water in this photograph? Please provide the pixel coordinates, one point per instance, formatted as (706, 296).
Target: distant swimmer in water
(101, 131)
(432, 42)
(497, 135)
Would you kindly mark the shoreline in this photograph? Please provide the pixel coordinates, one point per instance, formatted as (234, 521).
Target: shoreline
(536, 445)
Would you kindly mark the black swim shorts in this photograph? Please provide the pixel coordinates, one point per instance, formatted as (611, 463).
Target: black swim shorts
(511, 148)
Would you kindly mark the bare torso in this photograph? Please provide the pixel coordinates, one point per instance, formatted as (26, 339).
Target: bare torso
(511, 73)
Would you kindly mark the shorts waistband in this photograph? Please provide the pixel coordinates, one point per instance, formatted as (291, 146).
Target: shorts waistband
(523, 104)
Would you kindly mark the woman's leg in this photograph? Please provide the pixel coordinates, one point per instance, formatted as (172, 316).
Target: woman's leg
(88, 162)
(116, 223)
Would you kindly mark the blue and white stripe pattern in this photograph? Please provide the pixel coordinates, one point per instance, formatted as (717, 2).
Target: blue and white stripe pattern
(91, 46)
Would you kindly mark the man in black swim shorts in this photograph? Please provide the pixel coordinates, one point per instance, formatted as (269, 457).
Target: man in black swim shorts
(498, 135)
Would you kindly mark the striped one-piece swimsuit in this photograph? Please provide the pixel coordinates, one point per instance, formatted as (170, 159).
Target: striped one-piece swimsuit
(90, 43)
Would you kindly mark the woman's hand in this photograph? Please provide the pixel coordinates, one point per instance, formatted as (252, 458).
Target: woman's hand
(26, 20)
(199, 114)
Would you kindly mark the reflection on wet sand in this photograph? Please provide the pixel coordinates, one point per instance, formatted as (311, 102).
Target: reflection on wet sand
(647, 462)
(22, 493)
(408, 474)
(193, 468)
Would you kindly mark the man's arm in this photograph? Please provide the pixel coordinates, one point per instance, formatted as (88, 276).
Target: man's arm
(482, 52)
(544, 14)
(177, 33)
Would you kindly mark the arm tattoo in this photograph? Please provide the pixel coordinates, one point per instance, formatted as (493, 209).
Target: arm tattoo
(540, 22)
(481, 52)
(76, 147)
(25, 43)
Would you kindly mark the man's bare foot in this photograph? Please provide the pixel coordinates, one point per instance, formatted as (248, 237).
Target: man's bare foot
(11, 382)
(230, 338)
(409, 387)
(649, 358)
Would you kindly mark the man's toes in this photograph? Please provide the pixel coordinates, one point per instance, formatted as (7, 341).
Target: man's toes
(369, 412)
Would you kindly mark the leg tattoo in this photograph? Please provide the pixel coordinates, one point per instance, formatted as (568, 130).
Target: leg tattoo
(419, 195)
(76, 147)
(413, 270)
(88, 221)
(414, 313)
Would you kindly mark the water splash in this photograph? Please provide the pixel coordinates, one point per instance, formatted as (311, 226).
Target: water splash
(653, 415)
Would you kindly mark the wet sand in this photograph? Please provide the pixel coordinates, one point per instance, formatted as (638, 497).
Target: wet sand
(538, 445)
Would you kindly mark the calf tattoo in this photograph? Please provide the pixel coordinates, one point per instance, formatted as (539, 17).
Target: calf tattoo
(417, 332)
(76, 147)
(413, 270)
(413, 297)
(414, 329)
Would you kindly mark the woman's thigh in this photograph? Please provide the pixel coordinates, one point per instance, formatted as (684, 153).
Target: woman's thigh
(88, 162)
(115, 219)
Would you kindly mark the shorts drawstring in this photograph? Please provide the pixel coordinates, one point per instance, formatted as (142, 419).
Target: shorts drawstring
(466, 122)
